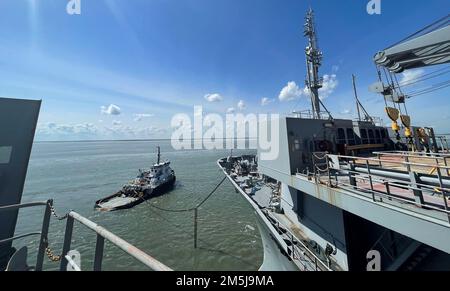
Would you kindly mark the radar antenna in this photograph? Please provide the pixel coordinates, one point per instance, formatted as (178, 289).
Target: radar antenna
(313, 63)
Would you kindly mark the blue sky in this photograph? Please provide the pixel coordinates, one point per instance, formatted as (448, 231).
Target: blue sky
(151, 59)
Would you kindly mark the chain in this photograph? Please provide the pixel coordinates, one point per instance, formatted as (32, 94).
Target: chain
(52, 257)
(52, 209)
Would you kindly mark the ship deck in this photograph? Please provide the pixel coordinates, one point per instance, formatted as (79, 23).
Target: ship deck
(392, 195)
(388, 177)
(261, 194)
(116, 202)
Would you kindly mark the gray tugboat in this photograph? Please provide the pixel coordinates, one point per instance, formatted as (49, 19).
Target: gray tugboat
(156, 181)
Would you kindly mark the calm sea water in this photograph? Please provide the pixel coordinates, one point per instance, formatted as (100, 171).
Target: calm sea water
(76, 174)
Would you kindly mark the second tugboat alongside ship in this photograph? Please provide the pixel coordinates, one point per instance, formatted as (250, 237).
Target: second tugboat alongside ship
(154, 182)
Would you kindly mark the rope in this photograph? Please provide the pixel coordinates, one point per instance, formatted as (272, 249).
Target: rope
(193, 208)
(318, 157)
(180, 228)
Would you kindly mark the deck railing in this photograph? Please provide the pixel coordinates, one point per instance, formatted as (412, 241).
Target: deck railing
(347, 171)
(298, 250)
(101, 232)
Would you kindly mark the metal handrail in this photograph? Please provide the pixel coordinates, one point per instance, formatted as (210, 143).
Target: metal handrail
(423, 155)
(4, 241)
(103, 234)
(393, 197)
(43, 233)
(419, 189)
(299, 241)
(397, 182)
(393, 162)
(24, 205)
(415, 186)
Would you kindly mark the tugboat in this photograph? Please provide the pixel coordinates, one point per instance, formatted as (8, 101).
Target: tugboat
(156, 181)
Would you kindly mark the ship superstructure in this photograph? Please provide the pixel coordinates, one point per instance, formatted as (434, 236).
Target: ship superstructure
(351, 194)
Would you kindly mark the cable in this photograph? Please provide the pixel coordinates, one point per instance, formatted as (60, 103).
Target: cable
(193, 208)
(382, 84)
(178, 227)
(426, 28)
(433, 88)
(181, 229)
(423, 78)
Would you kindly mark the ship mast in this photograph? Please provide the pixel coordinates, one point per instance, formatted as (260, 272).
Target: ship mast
(313, 63)
(159, 155)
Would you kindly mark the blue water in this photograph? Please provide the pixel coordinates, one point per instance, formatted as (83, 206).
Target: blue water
(76, 174)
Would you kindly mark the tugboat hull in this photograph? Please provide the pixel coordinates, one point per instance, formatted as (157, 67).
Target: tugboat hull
(121, 200)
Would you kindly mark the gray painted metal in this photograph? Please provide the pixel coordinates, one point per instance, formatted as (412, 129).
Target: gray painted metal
(43, 243)
(432, 48)
(275, 260)
(425, 229)
(99, 247)
(43, 233)
(424, 179)
(18, 120)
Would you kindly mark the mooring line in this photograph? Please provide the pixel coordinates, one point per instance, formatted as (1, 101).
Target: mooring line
(193, 208)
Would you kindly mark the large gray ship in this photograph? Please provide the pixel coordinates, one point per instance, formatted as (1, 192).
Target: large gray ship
(353, 194)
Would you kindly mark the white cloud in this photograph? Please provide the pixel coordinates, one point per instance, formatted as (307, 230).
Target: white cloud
(266, 101)
(330, 82)
(231, 110)
(117, 122)
(67, 130)
(346, 112)
(213, 97)
(88, 131)
(241, 105)
(411, 75)
(290, 92)
(110, 110)
(139, 116)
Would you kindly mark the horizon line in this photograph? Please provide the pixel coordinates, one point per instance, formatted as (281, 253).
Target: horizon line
(109, 140)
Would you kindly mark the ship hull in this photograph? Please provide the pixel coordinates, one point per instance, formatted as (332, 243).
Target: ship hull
(275, 257)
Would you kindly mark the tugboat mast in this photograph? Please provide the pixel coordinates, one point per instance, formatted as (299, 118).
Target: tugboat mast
(313, 63)
(159, 155)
